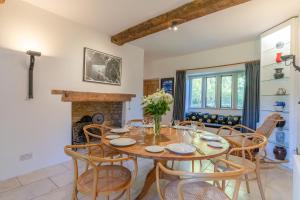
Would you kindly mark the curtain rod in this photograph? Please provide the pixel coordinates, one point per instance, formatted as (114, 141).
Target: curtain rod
(216, 66)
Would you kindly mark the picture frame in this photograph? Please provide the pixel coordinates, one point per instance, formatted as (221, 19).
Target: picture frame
(99, 67)
(168, 85)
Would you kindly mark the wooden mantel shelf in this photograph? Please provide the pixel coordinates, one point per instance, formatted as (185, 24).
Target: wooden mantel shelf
(75, 96)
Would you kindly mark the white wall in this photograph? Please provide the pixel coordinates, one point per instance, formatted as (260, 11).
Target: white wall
(42, 126)
(225, 55)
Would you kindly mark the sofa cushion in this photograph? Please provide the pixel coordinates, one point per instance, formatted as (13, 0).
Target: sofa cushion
(214, 120)
(222, 119)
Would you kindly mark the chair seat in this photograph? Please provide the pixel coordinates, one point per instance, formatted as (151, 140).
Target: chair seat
(195, 191)
(110, 178)
(238, 140)
(247, 164)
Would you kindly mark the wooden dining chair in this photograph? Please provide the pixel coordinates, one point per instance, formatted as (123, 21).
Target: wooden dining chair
(265, 129)
(194, 186)
(188, 123)
(93, 134)
(254, 143)
(101, 179)
(200, 126)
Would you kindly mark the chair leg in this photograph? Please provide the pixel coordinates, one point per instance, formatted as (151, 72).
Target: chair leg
(172, 164)
(223, 185)
(74, 193)
(128, 194)
(247, 183)
(121, 156)
(200, 165)
(259, 183)
(193, 165)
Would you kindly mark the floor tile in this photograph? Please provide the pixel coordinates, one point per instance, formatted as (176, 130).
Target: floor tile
(9, 184)
(63, 179)
(29, 191)
(277, 183)
(63, 193)
(41, 174)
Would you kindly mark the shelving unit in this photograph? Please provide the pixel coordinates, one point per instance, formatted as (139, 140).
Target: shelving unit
(275, 95)
(273, 111)
(280, 79)
(285, 33)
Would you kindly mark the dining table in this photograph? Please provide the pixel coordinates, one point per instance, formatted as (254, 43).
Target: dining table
(168, 135)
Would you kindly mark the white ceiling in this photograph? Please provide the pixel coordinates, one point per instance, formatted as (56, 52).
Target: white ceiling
(237, 24)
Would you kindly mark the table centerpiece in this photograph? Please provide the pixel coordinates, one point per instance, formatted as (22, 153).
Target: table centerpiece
(156, 105)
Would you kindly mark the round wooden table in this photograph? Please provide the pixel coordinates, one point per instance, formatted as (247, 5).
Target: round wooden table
(145, 137)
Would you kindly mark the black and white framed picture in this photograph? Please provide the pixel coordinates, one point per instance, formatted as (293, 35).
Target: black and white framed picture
(168, 85)
(101, 67)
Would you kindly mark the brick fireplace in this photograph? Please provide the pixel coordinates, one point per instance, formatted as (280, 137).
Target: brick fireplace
(87, 105)
(112, 111)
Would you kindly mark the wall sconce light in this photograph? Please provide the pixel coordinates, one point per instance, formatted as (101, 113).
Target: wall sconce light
(290, 57)
(31, 66)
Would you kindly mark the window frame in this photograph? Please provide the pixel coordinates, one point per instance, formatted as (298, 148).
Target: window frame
(216, 92)
(204, 76)
(232, 90)
(190, 93)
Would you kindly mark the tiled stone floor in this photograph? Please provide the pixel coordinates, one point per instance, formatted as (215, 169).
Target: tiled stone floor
(55, 183)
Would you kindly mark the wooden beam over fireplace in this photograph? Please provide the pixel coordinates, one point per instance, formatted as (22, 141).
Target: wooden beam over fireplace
(182, 14)
(76, 96)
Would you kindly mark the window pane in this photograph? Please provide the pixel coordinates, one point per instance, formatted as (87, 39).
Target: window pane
(226, 91)
(211, 85)
(240, 90)
(196, 95)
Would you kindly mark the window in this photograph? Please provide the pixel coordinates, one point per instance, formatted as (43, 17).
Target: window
(226, 91)
(196, 92)
(222, 90)
(211, 86)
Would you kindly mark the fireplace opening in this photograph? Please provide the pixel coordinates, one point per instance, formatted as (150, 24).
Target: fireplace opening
(85, 113)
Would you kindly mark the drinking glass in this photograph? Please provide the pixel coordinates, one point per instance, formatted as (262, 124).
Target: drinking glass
(194, 125)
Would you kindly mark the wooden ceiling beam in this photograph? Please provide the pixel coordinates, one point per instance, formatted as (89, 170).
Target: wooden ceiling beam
(182, 14)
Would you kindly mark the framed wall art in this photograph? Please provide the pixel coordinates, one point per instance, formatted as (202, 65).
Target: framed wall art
(100, 67)
(168, 85)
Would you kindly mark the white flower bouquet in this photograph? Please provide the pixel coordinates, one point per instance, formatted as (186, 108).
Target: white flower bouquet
(157, 104)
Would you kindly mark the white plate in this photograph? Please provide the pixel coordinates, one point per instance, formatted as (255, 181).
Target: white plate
(119, 130)
(210, 137)
(181, 148)
(122, 142)
(163, 126)
(154, 149)
(183, 127)
(111, 137)
(147, 125)
(215, 144)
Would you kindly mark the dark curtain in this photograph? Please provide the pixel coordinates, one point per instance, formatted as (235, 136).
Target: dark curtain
(179, 97)
(251, 100)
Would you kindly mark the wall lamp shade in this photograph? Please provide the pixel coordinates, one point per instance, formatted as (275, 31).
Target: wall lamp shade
(290, 57)
(32, 55)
